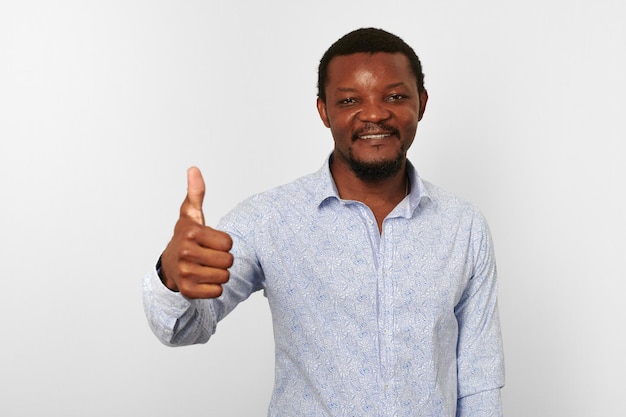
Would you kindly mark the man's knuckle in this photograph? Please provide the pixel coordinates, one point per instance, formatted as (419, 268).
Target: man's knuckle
(191, 233)
(185, 252)
(185, 288)
(184, 271)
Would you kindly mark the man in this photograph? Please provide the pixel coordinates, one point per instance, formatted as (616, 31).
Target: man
(382, 286)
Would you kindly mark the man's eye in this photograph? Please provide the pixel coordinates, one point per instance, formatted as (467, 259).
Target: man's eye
(348, 100)
(395, 97)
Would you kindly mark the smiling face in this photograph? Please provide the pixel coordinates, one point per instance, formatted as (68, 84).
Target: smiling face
(372, 109)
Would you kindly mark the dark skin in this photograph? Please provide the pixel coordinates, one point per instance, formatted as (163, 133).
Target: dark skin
(372, 109)
(197, 258)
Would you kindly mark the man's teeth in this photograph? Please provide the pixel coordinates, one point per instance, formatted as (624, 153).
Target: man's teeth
(380, 136)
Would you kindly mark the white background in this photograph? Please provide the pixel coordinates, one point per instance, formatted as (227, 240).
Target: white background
(103, 106)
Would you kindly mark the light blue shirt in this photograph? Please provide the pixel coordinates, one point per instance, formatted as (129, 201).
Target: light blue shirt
(398, 323)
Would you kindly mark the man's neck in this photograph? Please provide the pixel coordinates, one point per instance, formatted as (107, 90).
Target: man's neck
(380, 196)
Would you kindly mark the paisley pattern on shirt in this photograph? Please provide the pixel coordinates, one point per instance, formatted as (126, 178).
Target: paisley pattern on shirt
(398, 323)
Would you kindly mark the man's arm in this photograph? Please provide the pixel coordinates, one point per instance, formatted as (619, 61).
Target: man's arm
(480, 358)
(483, 404)
(191, 270)
(173, 318)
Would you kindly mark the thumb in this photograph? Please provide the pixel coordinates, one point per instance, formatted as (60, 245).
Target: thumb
(192, 206)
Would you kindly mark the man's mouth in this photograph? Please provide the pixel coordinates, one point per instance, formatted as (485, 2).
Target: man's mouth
(375, 132)
(376, 136)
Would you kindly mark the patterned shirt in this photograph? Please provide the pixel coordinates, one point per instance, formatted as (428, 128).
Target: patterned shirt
(398, 323)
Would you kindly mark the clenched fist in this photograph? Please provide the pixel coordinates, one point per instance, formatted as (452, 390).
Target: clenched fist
(197, 258)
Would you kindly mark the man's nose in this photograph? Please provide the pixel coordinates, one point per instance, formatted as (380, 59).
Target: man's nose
(374, 112)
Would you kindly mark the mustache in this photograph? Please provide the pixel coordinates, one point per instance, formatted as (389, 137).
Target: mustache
(375, 127)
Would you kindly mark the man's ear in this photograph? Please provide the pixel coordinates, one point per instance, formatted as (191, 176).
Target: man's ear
(321, 109)
(423, 100)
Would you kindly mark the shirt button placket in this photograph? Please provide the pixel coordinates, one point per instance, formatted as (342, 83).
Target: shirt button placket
(386, 318)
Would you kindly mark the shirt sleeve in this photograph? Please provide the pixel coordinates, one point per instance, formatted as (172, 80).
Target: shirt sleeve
(173, 318)
(177, 320)
(483, 404)
(480, 359)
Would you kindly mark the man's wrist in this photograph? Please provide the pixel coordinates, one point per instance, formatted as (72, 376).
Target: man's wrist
(160, 273)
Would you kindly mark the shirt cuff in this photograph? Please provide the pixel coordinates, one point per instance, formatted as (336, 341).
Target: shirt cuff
(481, 404)
(163, 307)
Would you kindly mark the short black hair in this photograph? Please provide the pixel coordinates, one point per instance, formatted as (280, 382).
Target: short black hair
(368, 40)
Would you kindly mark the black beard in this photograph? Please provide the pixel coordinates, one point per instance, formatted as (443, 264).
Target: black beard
(376, 171)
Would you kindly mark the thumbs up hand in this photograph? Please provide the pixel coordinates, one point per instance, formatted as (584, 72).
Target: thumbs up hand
(196, 260)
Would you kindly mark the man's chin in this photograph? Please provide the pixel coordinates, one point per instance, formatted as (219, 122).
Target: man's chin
(376, 170)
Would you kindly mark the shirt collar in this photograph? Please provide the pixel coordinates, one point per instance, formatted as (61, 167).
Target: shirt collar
(326, 190)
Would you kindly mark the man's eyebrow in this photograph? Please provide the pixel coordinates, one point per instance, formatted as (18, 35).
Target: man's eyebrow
(394, 85)
(351, 89)
(346, 89)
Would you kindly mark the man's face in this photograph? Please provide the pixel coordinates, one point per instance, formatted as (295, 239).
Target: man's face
(372, 109)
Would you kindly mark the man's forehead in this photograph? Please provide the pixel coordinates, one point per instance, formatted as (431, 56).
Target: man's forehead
(365, 55)
(369, 65)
